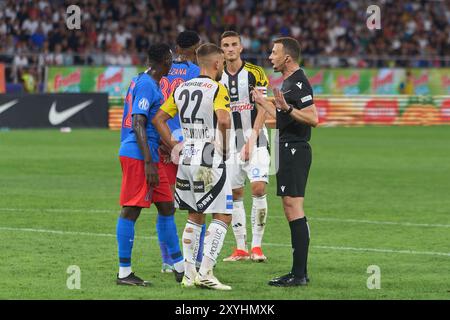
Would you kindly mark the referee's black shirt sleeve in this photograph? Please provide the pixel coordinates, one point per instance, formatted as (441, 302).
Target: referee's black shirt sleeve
(298, 93)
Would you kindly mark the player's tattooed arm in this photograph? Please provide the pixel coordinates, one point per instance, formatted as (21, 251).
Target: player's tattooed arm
(151, 170)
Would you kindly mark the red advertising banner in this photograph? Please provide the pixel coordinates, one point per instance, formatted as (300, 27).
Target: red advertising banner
(357, 110)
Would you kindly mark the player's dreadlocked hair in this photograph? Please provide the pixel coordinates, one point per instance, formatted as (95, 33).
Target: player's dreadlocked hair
(187, 39)
(158, 53)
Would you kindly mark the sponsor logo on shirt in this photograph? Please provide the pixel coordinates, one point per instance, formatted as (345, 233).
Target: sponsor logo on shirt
(143, 104)
(183, 185)
(199, 187)
(238, 106)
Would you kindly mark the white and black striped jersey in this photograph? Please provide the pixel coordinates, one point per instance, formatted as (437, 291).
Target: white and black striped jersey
(242, 105)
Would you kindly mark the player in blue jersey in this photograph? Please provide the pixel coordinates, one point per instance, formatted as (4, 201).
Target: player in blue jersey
(183, 69)
(143, 180)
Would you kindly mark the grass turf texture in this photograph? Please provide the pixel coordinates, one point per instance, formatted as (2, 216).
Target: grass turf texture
(70, 182)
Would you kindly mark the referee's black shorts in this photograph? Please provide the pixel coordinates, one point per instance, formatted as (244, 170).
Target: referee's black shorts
(294, 160)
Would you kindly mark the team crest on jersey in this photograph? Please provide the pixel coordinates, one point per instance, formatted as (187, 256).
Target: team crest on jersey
(143, 104)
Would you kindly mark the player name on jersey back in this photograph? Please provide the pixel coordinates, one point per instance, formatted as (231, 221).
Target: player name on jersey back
(196, 101)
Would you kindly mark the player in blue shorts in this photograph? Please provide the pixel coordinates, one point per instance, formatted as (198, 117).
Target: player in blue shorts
(183, 69)
(143, 180)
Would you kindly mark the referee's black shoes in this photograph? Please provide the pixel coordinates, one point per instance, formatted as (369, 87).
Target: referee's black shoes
(289, 280)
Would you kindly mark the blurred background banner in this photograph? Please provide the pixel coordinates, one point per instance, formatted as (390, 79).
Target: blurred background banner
(86, 110)
(2, 78)
(115, 80)
(430, 81)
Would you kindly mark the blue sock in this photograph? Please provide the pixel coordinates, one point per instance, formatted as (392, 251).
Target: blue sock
(200, 248)
(167, 231)
(125, 238)
(162, 245)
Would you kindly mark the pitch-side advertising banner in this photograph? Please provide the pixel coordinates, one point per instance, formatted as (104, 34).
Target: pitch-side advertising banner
(357, 110)
(85, 110)
(115, 80)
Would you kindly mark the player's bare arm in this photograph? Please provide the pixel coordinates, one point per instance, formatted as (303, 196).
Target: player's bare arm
(259, 122)
(172, 146)
(151, 170)
(263, 104)
(160, 123)
(223, 125)
(306, 115)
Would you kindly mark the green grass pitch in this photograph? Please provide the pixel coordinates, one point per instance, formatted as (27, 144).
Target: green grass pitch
(376, 196)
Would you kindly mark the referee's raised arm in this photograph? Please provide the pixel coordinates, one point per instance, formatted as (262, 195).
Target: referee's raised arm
(307, 115)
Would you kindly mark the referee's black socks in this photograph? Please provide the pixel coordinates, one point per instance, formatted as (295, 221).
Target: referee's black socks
(300, 245)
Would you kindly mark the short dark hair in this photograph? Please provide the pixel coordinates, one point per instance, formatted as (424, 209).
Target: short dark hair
(230, 33)
(291, 46)
(206, 49)
(158, 53)
(187, 39)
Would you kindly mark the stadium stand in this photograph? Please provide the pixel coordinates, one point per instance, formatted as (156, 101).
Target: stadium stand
(33, 34)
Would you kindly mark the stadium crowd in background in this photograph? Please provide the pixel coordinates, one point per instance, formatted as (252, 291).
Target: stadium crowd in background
(334, 34)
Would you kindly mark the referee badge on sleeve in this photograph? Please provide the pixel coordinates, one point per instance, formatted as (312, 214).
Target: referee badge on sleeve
(306, 98)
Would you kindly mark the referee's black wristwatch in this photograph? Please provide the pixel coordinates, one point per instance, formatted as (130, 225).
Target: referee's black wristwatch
(290, 109)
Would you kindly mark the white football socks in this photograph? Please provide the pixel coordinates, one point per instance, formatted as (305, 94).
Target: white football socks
(191, 243)
(124, 272)
(238, 222)
(259, 217)
(215, 235)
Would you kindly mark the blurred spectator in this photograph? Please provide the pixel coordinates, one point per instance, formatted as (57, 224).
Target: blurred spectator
(332, 33)
(28, 80)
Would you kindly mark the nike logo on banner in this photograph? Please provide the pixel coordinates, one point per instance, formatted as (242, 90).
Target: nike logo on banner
(56, 117)
(7, 105)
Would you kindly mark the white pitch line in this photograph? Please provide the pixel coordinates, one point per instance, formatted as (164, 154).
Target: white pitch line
(392, 223)
(405, 224)
(76, 233)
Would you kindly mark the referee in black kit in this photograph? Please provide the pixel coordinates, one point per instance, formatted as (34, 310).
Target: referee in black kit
(295, 115)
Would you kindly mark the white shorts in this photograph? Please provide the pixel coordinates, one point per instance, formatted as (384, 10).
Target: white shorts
(257, 169)
(204, 189)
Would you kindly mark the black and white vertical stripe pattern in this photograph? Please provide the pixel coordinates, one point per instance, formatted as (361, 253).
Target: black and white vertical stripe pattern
(243, 109)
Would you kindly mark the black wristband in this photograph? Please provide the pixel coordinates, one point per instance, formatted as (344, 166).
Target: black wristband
(290, 109)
